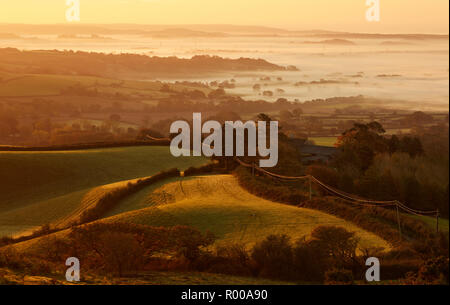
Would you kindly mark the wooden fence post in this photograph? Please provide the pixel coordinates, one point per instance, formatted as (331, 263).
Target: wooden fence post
(310, 188)
(398, 221)
(437, 221)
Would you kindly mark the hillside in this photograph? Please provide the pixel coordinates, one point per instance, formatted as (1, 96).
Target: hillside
(122, 65)
(220, 205)
(37, 188)
(12, 85)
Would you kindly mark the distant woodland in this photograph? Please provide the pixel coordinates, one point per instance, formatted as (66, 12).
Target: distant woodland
(122, 65)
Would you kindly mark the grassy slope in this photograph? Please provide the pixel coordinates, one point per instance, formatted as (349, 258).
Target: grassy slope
(219, 204)
(47, 84)
(41, 187)
(324, 141)
(431, 221)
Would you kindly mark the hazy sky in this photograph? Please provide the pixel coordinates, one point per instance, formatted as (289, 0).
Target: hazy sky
(429, 16)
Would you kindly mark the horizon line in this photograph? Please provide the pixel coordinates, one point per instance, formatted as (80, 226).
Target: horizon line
(269, 27)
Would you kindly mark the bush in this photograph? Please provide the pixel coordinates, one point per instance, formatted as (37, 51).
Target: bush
(273, 257)
(121, 252)
(338, 277)
(381, 221)
(324, 173)
(308, 259)
(398, 268)
(119, 248)
(12, 259)
(336, 243)
(435, 270)
(231, 259)
(309, 262)
(205, 169)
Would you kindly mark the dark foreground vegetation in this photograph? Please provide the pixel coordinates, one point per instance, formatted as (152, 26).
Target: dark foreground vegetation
(331, 255)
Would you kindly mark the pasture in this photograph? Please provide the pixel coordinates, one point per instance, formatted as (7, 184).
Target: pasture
(37, 188)
(220, 205)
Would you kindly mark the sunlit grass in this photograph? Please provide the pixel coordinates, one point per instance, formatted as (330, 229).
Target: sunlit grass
(37, 188)
(220, 205)
(324, 141)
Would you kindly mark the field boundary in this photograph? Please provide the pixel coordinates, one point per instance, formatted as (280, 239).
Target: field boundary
(93, 212)
(82, 146)
(364, 215)
(342, 195)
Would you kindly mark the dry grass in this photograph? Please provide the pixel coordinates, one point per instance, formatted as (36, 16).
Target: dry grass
(220, 205)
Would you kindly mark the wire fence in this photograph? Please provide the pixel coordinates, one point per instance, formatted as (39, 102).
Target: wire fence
(347, 197)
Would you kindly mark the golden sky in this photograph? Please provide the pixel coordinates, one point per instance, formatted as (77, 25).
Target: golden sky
(430, 16)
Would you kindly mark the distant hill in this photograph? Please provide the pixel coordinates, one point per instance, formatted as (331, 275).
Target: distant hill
(395, 43)
(123, 65)
(182, 33)
(131, 29)
(332, 42)
(9, 36)
(345, 35)
(195, 29)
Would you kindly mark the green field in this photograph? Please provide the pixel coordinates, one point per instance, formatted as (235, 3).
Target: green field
(51, 85)
(41, 187)
(324, 141)
(220, 205)
(431, 221)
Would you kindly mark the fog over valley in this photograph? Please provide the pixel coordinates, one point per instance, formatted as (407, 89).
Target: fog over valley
(412, 69)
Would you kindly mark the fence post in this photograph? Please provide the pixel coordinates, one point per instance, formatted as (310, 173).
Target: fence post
(398, 221)
(437, 221)
(253, 168)
(310, 188)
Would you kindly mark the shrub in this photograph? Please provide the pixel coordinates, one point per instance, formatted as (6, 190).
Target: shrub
(205, 169)
(336, 243)
(381, 221)
(435, 270)
(338, 277)
(324, 173)
(232, 259)
(271, 189)
(308, 262)
(121, 252)
(327, 247)
(273, 256)
(116, 248)
(12, 259)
